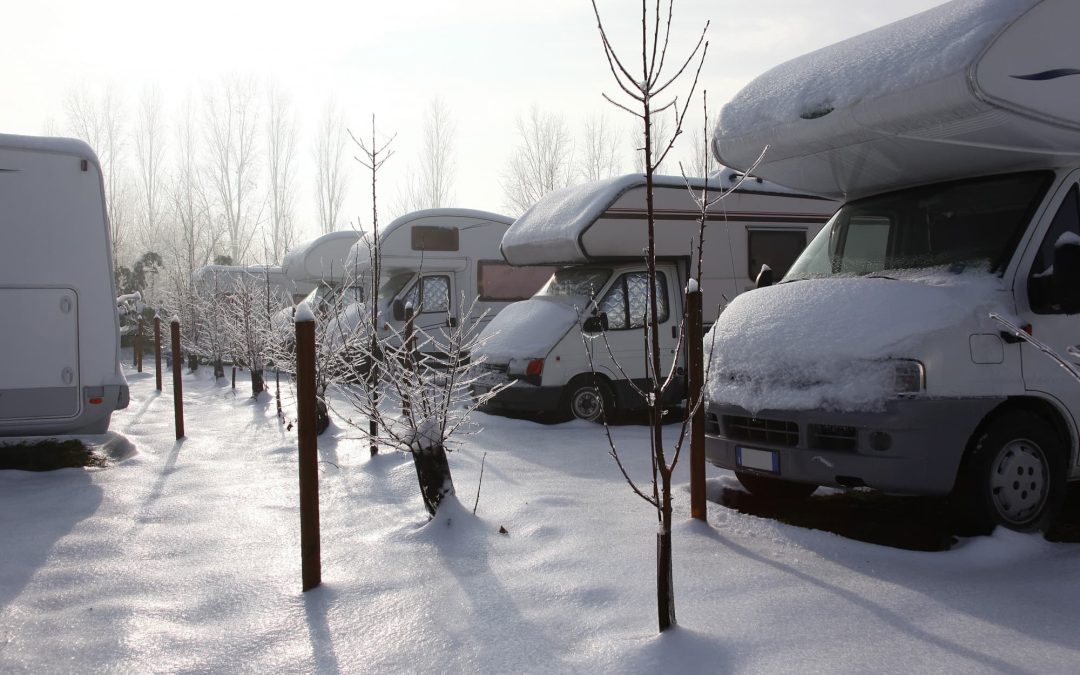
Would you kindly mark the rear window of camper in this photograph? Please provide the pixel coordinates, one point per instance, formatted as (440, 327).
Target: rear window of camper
(776, 248)
(432, 238)
(498, 282)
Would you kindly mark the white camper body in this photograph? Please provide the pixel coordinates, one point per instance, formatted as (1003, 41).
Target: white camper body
(222, 278)
(876, 362)
(439, 261)
(59, 336)
(597, 234)
(321, 264)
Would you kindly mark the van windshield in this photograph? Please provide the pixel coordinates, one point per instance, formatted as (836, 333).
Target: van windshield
(395, 283)
(970, 225)
(576, 281)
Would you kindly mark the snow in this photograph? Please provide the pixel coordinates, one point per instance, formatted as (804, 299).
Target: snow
(526, 329)
(303, 313)
(923, 48)
(185, 557)
(692, 286)
(823, 343)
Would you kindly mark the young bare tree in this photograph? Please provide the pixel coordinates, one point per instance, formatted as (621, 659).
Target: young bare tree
(431, 184)
(600, 147)
(149, 154)
(232, 126)
(281, 138)
(330, 170)
(662, 141)
(648, 92)
(543, 160)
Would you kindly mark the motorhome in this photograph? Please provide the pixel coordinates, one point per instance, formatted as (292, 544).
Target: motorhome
(60, 357)
(596, 234)
(320, 264)
(223, 278)
(879, 361)
(442, 262)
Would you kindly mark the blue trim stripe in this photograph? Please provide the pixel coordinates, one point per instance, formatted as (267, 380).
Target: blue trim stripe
(1048, 74)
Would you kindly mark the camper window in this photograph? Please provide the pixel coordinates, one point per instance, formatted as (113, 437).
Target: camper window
(431, 238)
(431, 294)
(775, 248)
(497, 281)
(576, 281)
(626, 302)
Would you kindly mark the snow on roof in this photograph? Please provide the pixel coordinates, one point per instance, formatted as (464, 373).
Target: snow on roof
(923, 48)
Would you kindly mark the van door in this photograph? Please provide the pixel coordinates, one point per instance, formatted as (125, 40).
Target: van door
(625, 303)
(1049, 324)
(434, 293)
(39, 363)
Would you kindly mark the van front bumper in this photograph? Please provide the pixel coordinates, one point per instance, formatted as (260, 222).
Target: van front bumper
(913, 446)
(520, 399)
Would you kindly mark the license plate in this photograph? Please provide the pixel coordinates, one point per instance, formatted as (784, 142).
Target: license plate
(762, 460)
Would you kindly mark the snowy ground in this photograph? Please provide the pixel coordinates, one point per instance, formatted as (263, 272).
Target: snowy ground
(185, 557)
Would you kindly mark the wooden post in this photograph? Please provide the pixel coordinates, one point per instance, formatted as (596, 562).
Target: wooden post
(177, 384)
(310, 553)
(234, 378)
(138, 343)
(695, 368)
(157, 350)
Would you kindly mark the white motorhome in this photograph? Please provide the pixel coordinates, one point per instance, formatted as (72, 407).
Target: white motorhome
(320, 264)
(59, 338)
(954, 138)
(223, 278)
(437, 259)
(597, 235)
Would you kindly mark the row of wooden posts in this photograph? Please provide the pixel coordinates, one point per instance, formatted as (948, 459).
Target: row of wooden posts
(307, 435)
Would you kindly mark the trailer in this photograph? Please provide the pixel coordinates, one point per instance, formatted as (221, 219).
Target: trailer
(59, 338)
(596, 234)
(224, 278)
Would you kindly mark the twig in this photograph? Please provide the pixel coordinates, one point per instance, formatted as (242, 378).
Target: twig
(479, 484)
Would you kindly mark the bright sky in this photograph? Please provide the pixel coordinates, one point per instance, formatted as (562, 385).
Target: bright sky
(489, 60)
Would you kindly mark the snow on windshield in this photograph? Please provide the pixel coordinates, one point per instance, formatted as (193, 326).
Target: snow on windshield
(922, 48)
(825, 343)
(576, 281)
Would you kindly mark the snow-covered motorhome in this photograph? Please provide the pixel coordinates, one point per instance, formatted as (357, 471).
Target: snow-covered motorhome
(320, 264)
(954, 138)
(59, 338)
(596, 234)
(438, 259)
(223, 278)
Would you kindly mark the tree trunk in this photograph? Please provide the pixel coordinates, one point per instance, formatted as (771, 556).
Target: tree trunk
(322, 416)
(219, 368)
(433, 473)
(192, 363)
(257, 385)
(665, 587)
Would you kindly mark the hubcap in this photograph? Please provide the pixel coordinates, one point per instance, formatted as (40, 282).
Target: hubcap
(586, 404)
(1019, 481)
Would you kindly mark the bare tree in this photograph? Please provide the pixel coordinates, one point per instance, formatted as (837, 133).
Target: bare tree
(280, 155)
(662, 141)
(232, 125)
(432, 185)
(700, 163)
(649, 93)
(192, 237)
(542, 162)
(149, 153)
(600, 145)
(329, 169)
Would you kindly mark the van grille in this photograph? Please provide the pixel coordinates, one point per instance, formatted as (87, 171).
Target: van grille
(832, 437)
(773, 432)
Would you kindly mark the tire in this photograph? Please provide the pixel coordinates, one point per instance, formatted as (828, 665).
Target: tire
(1014, 475)
(774, 488)
(587, 399)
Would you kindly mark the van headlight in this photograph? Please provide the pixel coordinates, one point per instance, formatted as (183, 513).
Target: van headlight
(909, 377)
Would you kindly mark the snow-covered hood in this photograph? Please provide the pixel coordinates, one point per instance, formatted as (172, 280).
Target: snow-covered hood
(528, 329)
(826, 342)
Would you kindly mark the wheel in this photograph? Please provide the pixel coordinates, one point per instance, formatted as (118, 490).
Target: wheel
(587, 399)
(1014, 476)
(774, 488)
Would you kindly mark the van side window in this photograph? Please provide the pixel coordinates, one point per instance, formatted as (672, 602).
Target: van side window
(497, 281)
(776, 248)
(626, 302)
(430, 294)
(1040, 293)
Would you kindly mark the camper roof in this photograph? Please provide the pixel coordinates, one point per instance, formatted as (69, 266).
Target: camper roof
(322, 258)
(553, 230)
(970, 87)
(60, 146)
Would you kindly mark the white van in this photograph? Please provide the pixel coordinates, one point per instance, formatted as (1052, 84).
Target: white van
(435, 260)
(954, 137)
(596, 234)
(59, 336)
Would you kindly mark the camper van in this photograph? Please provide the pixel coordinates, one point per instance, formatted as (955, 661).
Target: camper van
(59, 338)
(878, 361)
(320, 264)
(439, 261)
(223, 278)
(596, 234)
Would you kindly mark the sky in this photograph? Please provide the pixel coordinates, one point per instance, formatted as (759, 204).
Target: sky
(489, 61)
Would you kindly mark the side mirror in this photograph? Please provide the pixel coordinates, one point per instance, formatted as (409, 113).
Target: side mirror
(399, 310)
(1066, 279)
(595, 324)
(764, 277)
